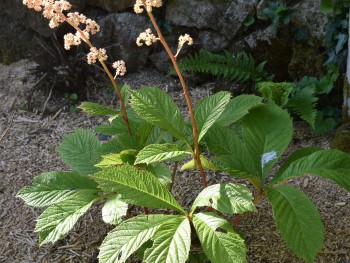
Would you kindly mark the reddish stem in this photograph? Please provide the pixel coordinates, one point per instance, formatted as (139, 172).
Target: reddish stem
(186, 93)
(256, 200)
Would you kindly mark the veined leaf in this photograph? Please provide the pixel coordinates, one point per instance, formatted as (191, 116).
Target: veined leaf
(109, 147)
(206, 164)
(156, 107)
(114, 210)
(162, 172)
(111, 159)
(51, 188)
(130, 235)
(172, 242)
(219, 241)
(59, 218)
(267, 131)
(232, 155)
(298, 221)
(136, 187)
(329, 164)
(237, 108)
(226, 198)
(208, 110)
(97, 109)
(161, 152)
(78, 150)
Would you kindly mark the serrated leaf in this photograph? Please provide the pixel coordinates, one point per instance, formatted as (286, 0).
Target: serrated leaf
(237, 108)
(172, 242)
(226, 198)
(219, 241)
(130, 235)
(51, 188)
(267, 131)
(230, 152)
(329, 164)
(78, 150)
(114, 210)
(111, 159)
(208, 110)
(136, 187)
(298, 221)
(59, 218)
(156, 107)
(109, 147)
(97, 109)
(162, 172)
(161, 152)
(206, 164)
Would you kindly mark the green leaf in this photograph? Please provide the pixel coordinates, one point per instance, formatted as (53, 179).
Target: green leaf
(156, 107)
(326, 6)
(237, 108)
(109, 147)
(111, 159)
(161, 152)
(206, 164)
(78, 150)
(136, 187)
(219, 241)
(172, 242)
(231, 154)
(97, 109)
(130, 235)
(226, 198)
(114, 210)
(267, 131)
(329, 164)
(51, 188)
(59, 218)
(161, 171)
(208, 110)
(298, 221)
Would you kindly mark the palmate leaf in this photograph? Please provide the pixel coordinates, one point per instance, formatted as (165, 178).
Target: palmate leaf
(156, 107)
(110, 159)
(162, 172)
(59, 218)
(114, 210)
(237, 108)
(219, 241)
(130, 235)
(161, 152)
(298, 221)
(54, 187)
(226, 198)
(172, 242)
(208, 110)
(136, 187)
(78, 150)
(97, 109)
(329, 164)
(267, 131)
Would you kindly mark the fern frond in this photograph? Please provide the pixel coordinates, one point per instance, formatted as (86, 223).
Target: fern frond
(304, 105)
(240, 68)
(276, 92)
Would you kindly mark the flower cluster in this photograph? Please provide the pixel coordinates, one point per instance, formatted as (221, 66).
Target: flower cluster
(95, 54)
(147, 37)
(182, 40)
(149, 5)
(120, 68)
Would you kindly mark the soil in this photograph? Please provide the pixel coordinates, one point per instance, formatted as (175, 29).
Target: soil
(28, 148)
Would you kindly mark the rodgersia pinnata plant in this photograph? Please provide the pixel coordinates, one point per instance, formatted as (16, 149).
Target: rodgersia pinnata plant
(244, 137)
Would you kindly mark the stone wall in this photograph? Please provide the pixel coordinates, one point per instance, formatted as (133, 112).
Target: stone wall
(214, 25)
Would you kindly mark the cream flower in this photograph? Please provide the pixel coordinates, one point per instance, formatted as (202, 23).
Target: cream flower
(182, 40)
(147, 37)
(138, 7)
(95, 54)
(120, 68)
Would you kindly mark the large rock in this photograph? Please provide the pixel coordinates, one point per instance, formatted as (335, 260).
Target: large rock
(197, 13)
(111, 5)
(118, 35)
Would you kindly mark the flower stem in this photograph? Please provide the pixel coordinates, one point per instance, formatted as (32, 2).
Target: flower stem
(186, 93)
(87, 41)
